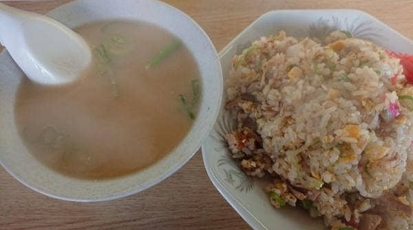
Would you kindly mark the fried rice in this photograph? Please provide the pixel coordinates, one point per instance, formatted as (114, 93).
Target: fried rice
(331, 123)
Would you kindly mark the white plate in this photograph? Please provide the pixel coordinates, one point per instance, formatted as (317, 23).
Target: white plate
(246, 196)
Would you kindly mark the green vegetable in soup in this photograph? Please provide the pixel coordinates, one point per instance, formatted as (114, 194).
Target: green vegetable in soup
(104, 67)
(118, 39)
(115, 88)
(196, 91)
(115, 41)
(164, 53)
(113, 46)
(196, 94)
(116, 45)
(103, 54)
(119, 45)
(182, 99)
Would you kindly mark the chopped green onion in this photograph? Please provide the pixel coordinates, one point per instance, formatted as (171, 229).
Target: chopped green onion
(406, 97)
(105, 61)
(367, 170)
(275, 197)
(408, 100)
(118, 45)
(196, 94)
(344, 77)
(313, 183)
(332, 65)
(115, 88)
(164, 53)
(346, 228)
(118, 39)
(103, 54)
(188, 110)
(315, 69)
(182, 99)
(245, 53)
(307, 204)
(196, 91)
(290, 67)
(191, 115)
(364, 64)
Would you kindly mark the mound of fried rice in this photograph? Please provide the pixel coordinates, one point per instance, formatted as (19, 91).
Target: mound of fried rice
(331, 123)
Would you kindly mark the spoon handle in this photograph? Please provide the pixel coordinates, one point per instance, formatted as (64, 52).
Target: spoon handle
(10, 20)
(4, 21)
(46, 50)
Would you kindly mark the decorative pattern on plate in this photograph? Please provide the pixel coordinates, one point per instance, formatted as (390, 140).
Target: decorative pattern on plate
(357, 27)
(233, 174)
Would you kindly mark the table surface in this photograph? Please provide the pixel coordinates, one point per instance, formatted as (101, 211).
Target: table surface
(187, 199)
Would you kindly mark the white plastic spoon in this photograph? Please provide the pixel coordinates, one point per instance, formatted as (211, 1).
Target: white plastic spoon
(47, 51)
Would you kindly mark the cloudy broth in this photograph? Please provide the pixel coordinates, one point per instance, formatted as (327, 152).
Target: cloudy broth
(134, 107)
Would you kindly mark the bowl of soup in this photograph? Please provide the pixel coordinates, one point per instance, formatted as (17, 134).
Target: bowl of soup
(138, 114)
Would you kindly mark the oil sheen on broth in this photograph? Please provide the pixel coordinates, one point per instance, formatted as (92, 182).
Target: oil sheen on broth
(135, 106)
